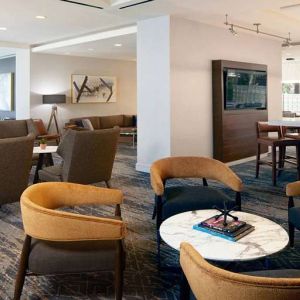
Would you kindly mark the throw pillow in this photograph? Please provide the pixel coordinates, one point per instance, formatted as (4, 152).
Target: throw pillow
(87, 124)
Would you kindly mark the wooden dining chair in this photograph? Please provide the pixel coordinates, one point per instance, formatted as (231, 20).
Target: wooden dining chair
(276, 142)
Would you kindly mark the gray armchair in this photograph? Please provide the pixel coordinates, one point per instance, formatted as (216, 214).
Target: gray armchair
(15, 164)
(16, 128)
(88, 157)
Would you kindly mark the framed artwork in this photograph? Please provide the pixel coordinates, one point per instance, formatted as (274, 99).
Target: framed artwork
(7, 92)
(94, 89)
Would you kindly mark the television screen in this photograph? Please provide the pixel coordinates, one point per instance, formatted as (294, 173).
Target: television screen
(245, 89)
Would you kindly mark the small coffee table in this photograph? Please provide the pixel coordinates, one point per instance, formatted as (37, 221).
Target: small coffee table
(42, 153)
(267, 238)
(132, 133)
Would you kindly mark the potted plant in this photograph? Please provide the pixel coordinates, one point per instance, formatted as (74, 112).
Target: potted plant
(43, 143)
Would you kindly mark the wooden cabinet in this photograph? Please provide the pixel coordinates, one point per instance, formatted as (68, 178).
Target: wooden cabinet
(234, 130)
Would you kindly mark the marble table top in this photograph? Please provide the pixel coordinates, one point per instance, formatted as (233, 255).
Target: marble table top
(267, 238)
(292, 122)
(49, 149)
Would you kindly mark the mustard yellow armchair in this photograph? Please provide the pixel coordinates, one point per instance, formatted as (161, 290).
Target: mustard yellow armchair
(59, 242)
(208, 282)
(175, 199)
(293, 190)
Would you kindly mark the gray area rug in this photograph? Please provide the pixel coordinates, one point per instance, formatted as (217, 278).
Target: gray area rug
(142, 279)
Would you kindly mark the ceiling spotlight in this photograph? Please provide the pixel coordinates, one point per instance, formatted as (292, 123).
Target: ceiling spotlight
(118, 45)
(41, 17)
(231, 29)
(3, 28)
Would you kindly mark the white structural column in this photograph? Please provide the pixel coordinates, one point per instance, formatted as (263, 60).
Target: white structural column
(153, 91)
(22, 80)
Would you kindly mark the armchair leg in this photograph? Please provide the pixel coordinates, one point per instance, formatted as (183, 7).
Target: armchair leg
(257, 161)
(22, 268)
(154, 212)
(119, 271)
(184, 288)
(108, 184)
(238, 200)
(291, 234)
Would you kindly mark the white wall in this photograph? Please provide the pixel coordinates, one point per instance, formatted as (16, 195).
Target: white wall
(51, 74)
(153, 61)
(22, 98)
(193, 47)
(291, 71)
(8, 65)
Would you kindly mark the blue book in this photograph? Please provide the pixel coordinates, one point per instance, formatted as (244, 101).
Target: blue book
(224, 236)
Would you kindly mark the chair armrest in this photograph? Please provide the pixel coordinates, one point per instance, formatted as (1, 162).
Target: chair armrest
(157, 182)
(59, 194)
(47, 224)
(293, 189)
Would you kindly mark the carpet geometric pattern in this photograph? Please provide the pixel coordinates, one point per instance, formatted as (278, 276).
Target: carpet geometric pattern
(142, 279)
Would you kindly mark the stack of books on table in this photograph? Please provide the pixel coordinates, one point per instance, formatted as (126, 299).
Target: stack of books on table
(233, 230)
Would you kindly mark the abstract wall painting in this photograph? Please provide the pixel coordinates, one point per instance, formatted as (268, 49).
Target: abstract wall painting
(7, 91)
(94, 89)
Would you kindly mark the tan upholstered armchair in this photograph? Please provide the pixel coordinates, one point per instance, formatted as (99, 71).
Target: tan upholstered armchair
(59, 242)
(173, 200)
(210, 283)
(293, 190)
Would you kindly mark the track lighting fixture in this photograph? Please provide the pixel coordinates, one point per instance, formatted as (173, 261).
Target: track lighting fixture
(287, 42)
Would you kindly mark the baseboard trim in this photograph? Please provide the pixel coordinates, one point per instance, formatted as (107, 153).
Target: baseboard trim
(142, 167)
(244, 160)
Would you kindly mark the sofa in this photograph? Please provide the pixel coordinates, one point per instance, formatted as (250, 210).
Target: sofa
(16, 128)
(125, 122)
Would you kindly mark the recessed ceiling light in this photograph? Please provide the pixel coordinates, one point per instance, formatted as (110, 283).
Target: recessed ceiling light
(91, 49)
(118, 45)
(3, 28)
(40, 17)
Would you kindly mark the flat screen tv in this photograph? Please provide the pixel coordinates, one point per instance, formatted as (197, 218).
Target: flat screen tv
(244, 89)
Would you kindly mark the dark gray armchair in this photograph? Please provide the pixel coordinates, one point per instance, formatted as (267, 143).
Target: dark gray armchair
(88, 157)
(15, 164)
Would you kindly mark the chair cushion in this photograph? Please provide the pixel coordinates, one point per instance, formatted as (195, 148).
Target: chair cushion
(294, 216)
(53, 173)
(180, 199)
(87, 124)
(48, 257)
(281, 273)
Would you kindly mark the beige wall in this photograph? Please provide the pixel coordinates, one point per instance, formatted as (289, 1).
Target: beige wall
(51, 74)
(193, 47)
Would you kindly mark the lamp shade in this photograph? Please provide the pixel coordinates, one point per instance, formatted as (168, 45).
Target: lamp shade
(54, 99)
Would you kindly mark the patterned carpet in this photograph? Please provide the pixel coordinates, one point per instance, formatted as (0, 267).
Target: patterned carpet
(142, 279)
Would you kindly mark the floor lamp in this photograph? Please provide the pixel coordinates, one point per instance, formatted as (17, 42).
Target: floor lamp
(54, 100)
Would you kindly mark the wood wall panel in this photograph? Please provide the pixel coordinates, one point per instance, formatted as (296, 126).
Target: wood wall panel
(234, 131)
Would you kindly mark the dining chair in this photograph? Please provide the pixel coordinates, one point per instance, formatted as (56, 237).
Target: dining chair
(275, 142)
(293, 190)
(88, 157)
(209, 282)
(59, 242)
(174, 199)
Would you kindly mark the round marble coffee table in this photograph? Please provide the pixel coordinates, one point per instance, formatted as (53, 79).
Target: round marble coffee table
(267, 238)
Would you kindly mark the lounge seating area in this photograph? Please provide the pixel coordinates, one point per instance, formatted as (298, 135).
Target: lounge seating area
(149, 150)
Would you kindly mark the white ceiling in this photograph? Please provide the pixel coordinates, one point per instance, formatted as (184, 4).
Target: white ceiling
(65, 20)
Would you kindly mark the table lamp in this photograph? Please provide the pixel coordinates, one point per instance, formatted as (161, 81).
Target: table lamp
(54, 100)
